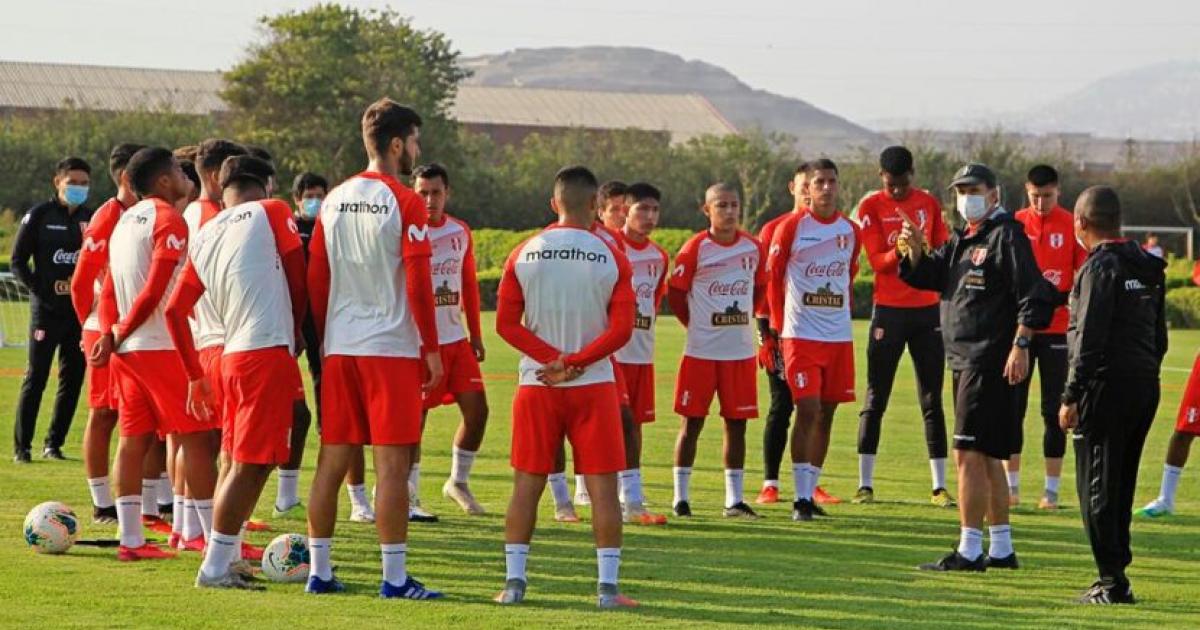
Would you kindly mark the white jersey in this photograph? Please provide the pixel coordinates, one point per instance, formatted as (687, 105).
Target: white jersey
(237, 257)
(151, 230)
(450, 242)
(205, 322)
(567, 277)
(817, 260)
(369, 225)
(648, 264)
(720, 281)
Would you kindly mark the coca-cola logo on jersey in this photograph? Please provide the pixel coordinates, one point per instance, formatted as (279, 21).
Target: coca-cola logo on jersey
(64, 257)
(833, 269)
(645, 291)
(448, 267)
(737, 287)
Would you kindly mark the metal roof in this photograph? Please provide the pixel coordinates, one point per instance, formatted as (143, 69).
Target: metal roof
(42, 86)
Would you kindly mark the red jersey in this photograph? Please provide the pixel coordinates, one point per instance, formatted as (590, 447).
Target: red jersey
(879, 216)
(764, 237)
(1057, 252)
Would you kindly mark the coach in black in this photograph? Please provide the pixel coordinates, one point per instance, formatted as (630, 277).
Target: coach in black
(50, 234)
(1115, 344)
(992, 300)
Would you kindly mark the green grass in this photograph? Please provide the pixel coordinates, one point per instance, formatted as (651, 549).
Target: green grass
(851, 571)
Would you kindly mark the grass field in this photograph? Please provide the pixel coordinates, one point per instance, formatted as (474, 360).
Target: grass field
(855, 570)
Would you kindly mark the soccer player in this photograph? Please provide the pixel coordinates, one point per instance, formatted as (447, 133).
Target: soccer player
(902, 316)
(718, 280)
(372, 302)
(456, 297)
(648, 263)
(993, 298)
(566, 303)
(1051, 233)
(614, 205)
(51, 234)
(146, 249)
(1117, 337)
(249, 259)
(812, 263)
(770, 359)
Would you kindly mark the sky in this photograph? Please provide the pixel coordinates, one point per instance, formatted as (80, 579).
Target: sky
(868, 60)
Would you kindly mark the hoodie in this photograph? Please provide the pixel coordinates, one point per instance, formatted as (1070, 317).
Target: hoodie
(1118, 326)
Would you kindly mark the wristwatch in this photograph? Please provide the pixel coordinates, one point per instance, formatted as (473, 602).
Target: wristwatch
(1021, 342)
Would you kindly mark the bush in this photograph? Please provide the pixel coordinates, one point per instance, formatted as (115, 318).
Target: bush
(1183, 307)
(1179, 272)
(862, 300)
(492, 247)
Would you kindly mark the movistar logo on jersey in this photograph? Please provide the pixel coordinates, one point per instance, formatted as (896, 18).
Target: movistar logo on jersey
(363, 207)
(551, 253)
(174, 242)
(416, 234)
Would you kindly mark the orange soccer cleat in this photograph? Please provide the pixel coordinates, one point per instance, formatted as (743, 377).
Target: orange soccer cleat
(768, 495)
(820, 497)
(148, 551)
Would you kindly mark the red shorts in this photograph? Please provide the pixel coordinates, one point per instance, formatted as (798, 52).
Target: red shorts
(100, 394)
(260, 389)
(819, 369)
(461, 374)
(639, 381)
(1189, 407)
(586, 415)
(210, 363)
(734, 382)
(371, 400)
(620, 384)
(151, 389)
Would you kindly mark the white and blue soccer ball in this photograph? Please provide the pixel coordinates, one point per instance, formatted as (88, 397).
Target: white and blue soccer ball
(51, 527)
(286, 558)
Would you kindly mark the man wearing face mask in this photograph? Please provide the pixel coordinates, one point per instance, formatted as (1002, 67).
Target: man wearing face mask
(993, 298)
(51, 234)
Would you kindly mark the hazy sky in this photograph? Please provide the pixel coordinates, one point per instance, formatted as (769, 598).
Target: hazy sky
(866, 60)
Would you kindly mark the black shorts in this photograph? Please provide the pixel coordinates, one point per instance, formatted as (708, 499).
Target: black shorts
(984, 415)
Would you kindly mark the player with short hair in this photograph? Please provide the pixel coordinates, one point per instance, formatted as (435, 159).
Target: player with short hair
(249, 260)
(902, 316)
(812, 263)
(369, 283)
(719, 279)
(566, 303)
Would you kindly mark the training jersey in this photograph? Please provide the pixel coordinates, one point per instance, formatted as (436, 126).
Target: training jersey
(1057, 252)
(95, 252)
(814, 261)
(150, 230)
(720, 282)
(566, 278)
(369, 225)
(237, 260)
(879, 216)
(453, 249)
(207, 330)
(648, 265)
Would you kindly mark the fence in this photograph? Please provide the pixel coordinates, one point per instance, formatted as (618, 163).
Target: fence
(14, 312)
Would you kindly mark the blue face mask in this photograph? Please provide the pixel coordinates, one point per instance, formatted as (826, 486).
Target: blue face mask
(309, 207)
(75, 195)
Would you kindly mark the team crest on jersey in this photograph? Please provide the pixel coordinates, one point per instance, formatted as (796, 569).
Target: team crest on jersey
(921, 217)
(456, 244)
(979, 255)
(749, 263)
(1056, 240)
(1192, 415)
(445, 296)
(843, 241)
(1054, 276)
(801, 380)
(732, 316)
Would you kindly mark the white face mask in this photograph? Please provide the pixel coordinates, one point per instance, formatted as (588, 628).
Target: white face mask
(972, 207)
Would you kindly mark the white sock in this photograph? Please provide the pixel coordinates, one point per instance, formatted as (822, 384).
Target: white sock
(630, 486)
(1000, 541)
(1170, 482)
(580, 485)
(319, 552)
(733, 486)
(970, 543)
(129, 519)
(937, 472)
(358, 496)
(287, 492)
(771, 483)
(178, 515)
(1052, 484)
(866, 471)
(460, 464)
(165, 491)
(559, 489)
(514, 561)
(191, 520)
(1014, 481)
(220, 552)
(101, 492)
(800, 476)
(609, 561)
(683, 477)
(395, 563)
(150, 497)
(414, 485)
(204, 510)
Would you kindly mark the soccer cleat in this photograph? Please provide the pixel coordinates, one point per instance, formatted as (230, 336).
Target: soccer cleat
(683, 509)
(1049, 501)
(53, 452)
(955, 561)
(566, 514)
(418, 514)
(257, 526)
(22, 457)
(802, 510)
(740, 510)
(362, 514)
(246, 569)
(295, 510)
(1007, 562)
(608, 598)
(865, 494)
(461, 494)
(1155, 509)
(230, 580)
(317, 586)
(194, 544)
(250, 552)
(148, 551)
(1108, 594)
(941, 498)
(820, 497)
(513, 593)
(639, 515)
(768, 495)
(818, 510)
(582, 497)
(156, 524)
(104, 515)
(411, 589)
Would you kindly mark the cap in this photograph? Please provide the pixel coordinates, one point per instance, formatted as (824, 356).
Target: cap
(974, 173)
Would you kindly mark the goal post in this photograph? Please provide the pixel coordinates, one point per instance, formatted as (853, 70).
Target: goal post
(1181, 239)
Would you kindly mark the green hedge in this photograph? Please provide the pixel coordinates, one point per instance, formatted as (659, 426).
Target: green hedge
(1183, 307)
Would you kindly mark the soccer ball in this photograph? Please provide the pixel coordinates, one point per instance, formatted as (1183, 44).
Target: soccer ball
(51, 527)
(286, 558)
